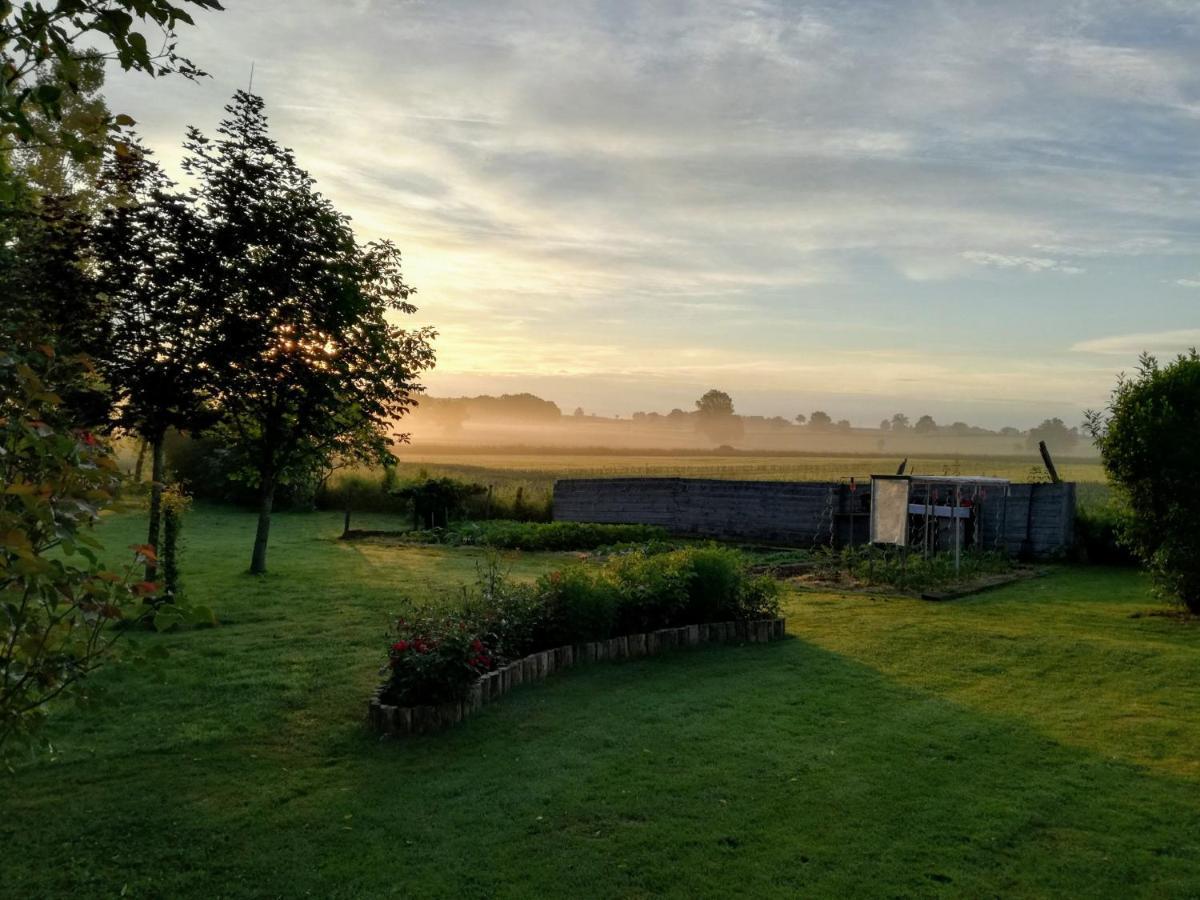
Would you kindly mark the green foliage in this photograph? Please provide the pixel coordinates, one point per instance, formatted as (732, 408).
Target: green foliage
(1098, 531)
(40, 45)
(508, 535)
(175, 504)
(56, 600)
(1149, 439)
(892, 567)
(436, 658)
(435, 500)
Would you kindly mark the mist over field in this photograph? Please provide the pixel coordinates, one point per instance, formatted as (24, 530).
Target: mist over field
(524, 421)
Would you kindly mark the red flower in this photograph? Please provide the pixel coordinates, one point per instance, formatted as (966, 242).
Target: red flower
(400, 646)
(477, 645)
(420, 646)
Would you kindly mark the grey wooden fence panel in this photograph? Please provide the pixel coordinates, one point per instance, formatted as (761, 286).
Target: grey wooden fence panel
(799, 513)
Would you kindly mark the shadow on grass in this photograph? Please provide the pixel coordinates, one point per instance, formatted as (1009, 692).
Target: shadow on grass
(782, 769)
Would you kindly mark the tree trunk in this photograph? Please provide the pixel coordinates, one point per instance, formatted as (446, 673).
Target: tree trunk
(266, 499)
(141, 460)
(156, 489)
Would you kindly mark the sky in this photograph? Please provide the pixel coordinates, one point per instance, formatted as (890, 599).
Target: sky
(978, 210)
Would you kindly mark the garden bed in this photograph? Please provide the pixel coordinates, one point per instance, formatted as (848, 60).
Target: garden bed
(399, 721)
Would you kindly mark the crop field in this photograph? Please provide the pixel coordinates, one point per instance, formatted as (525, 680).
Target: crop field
(535, 472)
(534, 466)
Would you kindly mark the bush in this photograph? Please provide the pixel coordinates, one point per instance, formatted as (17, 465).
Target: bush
(1149, 440)
(580, 606)
(1098, 531)
(436, 659)
(538, 536)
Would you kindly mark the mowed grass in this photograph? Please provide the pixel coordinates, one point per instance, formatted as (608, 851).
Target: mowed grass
(1038, 740)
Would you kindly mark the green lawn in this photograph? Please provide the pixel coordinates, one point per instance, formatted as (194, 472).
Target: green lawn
(1034, 741)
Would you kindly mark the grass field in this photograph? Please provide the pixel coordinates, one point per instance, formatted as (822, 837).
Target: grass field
(1038, 740)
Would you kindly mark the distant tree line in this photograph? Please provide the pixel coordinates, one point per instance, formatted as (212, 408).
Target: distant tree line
(714, 416)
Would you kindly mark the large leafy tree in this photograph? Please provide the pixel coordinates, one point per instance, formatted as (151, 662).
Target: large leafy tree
(307, 362)
(148, 245)
(1149, 439)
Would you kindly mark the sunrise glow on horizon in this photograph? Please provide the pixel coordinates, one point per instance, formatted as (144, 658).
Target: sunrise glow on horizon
(980, 211)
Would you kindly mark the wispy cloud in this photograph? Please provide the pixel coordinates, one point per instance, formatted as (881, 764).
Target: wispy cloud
(1134, 344)
(1025, 263)
(585, 185)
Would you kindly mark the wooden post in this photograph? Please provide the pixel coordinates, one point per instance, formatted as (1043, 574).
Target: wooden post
(903, 466)
(1045, 451)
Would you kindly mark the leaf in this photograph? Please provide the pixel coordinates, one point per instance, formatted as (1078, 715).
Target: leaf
(124, 121)
(201, 615)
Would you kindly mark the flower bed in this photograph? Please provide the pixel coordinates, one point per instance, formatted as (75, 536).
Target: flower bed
(440, 661)
(398, 721)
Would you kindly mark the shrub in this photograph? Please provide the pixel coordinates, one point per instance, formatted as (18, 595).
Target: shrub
(436, 659)
(1149, 440)
(538, 536)
(581, 605)
(1098, 531)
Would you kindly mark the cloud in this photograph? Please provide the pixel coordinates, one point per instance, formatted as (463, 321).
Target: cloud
(586, 185)
(1188, 282)
(1134, 344)
(1025, 263)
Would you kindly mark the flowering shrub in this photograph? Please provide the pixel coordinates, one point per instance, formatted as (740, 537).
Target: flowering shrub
(436, 659)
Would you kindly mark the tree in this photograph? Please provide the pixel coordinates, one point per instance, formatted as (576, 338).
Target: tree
(715, 404)
(885, 425)
(1055, 433)
(844, 425)
(716, 418)
(36, 40)
(306, 364)
(1149, 440)
(899, 422)
(801, 418)
(820, 421)
(46, 279)
(150, 247)
(925, 425)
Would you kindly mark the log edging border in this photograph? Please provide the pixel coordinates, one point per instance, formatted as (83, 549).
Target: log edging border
(400, 721)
